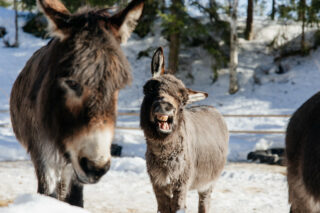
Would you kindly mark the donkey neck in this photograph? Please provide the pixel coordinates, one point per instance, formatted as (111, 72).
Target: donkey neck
(166, 148)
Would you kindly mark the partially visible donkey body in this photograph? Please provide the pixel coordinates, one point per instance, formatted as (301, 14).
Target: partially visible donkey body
(303, 157)
(63, 104)
(186, 147)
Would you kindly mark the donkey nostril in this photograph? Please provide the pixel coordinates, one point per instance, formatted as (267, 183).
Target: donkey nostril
(169, 108)
(100, 172)
(163, 107)
(157, 108)
(86, 165)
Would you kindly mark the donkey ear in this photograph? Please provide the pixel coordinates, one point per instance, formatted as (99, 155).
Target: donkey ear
(157, 64)
(57, 15)
(126, 20)
(194, 96)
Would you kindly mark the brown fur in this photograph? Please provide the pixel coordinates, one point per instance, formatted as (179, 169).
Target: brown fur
(303, 157)
(64, 101)
(192, 156)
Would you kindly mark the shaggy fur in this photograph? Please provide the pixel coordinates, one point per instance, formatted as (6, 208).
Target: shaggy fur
(303, 157)
(66, 96)
(192, 156)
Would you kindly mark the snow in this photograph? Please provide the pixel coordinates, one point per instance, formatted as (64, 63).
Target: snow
(126, 187)
(35, 203)
(242, 188)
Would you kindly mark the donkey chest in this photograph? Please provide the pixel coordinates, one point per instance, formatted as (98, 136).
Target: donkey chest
(166, 171)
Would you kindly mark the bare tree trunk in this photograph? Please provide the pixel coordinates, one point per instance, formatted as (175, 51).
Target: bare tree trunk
(249, 26)
(273, 12)
(233, 85)
(303, 43)
(174, 47)
(303, 17)
(16, 43)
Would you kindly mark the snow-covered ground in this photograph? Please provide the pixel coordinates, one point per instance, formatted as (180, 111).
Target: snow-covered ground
(35, 203)
(242, 188)
(126, 188)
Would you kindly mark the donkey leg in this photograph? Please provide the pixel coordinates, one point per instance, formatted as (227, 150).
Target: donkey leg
(47, 179)
(75, 196)
(204, 200)
(47, 164)
(178, 202)
(163, 199)
(70, 190)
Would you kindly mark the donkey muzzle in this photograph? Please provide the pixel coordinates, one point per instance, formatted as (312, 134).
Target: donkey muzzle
(92, 171)
(163, 113)
(163, 108)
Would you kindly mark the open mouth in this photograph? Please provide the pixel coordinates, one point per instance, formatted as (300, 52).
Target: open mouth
(164, 123)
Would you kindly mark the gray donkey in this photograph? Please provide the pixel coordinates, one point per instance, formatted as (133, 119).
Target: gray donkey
(63, 104)
(303, 157)
(186, 147)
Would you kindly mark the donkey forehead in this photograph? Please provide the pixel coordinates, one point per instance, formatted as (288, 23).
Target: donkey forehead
(169, 83)
(88, 16)
(93, 60)
(166, 86)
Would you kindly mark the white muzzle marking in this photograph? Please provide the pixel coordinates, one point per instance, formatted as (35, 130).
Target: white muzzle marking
(94, 146)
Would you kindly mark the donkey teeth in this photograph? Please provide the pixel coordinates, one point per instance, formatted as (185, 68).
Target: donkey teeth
(162, 117)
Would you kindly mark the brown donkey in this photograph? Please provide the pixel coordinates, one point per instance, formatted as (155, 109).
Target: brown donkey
(63, 104)
(303, 157)
(186, 147)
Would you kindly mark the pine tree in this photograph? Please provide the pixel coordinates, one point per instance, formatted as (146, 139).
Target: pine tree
(307, 12)
(150, 11)
(174, 47)
(314, 16)
(213, 36)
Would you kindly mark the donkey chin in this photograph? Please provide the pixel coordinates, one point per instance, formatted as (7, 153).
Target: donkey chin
(90, 156)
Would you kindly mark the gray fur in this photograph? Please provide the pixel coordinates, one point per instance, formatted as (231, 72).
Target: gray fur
(192, 156)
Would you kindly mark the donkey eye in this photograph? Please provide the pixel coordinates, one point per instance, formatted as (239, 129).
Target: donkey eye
(75, 86)
(181, 92)
(72, 84)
